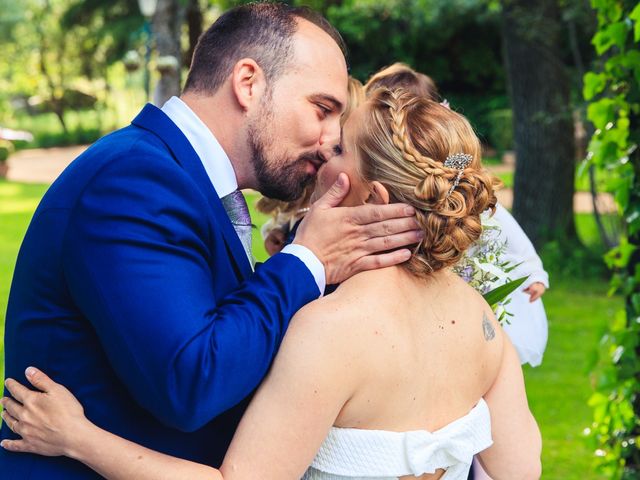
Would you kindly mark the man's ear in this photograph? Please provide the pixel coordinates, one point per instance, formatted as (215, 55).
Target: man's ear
(379, 194)
(247, 82)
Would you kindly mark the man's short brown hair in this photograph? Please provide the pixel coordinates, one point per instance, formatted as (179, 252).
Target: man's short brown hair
(261, 31)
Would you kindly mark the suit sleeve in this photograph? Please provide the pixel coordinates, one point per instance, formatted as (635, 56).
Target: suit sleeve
(139, 259)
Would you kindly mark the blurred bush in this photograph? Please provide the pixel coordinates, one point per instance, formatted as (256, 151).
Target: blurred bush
(78, 136)
(70, 100)
(500, 134)
(489, 115)
(6, 149)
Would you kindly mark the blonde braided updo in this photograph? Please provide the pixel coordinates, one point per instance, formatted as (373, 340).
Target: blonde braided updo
(403, 142)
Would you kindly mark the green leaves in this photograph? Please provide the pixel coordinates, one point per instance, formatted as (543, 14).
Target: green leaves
(614, 111)
(601, 112)
(500, 293)
(613, 34)
(635, 16)
(594, 83)
(619, 256)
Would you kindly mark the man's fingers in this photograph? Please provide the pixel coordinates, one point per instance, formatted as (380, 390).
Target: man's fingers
(17, 390)
(12, 407)
(10, 421)
(366, 214)
(335, 194)
(371, 262)
(16, 446)
(392, 226)
(393, 242)
(39, 379)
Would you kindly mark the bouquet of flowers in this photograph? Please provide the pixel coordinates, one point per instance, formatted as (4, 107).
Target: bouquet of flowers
(483, 268)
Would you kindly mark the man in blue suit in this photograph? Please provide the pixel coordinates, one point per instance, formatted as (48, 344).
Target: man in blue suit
(134, 285)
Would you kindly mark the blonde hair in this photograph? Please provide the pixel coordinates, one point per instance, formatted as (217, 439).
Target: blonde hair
(403, 141)
(401, 75)
(288, 211)
(355, 98)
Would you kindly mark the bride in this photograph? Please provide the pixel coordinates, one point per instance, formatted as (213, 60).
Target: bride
(401, 373)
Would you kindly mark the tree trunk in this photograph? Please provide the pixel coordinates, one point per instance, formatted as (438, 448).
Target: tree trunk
(56, 102)
(167, 23)
(194, 22)
(543, 125)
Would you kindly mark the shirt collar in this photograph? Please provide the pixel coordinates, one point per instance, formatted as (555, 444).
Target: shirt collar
(214, 159)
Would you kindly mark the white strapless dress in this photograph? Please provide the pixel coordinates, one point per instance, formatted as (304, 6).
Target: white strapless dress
(356, 454)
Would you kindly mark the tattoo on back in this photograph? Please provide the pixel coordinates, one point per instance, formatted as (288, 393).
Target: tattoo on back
(487, 328)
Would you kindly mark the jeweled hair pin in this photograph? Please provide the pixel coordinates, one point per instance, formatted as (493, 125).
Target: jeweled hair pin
(457, 161)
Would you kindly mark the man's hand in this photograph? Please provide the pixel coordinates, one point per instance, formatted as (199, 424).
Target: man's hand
(535, 291)
(348, 240)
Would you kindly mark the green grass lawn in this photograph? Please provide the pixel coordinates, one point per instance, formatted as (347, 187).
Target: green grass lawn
(17, 203)
(578, 310)
(558, 390)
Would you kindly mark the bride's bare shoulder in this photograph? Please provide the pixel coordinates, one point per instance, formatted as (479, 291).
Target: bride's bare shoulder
(349, 312)
(330, 336)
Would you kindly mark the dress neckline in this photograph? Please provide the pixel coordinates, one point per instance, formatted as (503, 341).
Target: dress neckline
(477, 410)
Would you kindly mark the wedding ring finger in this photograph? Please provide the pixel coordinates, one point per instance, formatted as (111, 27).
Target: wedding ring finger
(11, 422)
(12, 407)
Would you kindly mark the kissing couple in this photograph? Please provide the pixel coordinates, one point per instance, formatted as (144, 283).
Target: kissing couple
(163, 344)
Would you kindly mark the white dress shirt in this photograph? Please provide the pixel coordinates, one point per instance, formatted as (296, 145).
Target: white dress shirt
(220, 171)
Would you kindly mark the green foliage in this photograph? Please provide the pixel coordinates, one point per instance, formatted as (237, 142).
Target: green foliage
(614, 92)
(490, 115)
(500, 293)
(6, 149)
(578, 310)
(108, 29)
(83, 127)
(56, 53)
(456, 42)
(571, 259)
(500, 134)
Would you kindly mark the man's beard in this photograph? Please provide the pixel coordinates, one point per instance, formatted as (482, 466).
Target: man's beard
(278, 176)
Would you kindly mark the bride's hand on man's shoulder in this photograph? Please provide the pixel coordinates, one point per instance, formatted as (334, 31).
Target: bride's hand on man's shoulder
(48, 419)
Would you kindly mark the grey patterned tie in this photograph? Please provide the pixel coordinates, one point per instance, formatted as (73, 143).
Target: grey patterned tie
(236, 207)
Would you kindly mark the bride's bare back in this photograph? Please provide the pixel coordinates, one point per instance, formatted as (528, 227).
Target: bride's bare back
(432, 346)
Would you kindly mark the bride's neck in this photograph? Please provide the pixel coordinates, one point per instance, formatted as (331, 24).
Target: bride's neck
(440, 276)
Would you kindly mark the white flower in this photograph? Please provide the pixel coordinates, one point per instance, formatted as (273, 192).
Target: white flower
(481, 266)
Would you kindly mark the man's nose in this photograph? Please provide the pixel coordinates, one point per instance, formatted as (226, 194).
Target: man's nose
(328, 142)
(327, 151)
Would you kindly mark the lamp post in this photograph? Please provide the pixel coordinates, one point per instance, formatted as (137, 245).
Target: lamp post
(148, 9)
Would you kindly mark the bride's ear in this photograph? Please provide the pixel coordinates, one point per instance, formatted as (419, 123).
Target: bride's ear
(379, 194)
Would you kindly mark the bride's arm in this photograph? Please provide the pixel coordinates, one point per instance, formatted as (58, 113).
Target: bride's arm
(52, 422)
(311, 379)
(515, 453)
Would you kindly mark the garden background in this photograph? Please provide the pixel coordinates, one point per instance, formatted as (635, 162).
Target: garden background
(551, 87)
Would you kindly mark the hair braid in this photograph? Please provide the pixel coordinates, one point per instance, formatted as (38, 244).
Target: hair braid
(404, 144)
(400, 104)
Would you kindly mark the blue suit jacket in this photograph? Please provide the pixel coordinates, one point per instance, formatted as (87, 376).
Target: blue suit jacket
(132, 289)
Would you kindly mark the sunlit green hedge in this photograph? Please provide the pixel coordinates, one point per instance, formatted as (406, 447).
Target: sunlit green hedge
(613, 89)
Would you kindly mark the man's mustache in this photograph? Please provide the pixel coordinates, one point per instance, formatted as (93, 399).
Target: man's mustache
(311, 157)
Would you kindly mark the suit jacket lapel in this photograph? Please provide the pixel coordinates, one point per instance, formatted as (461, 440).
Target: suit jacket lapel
(154, 120)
